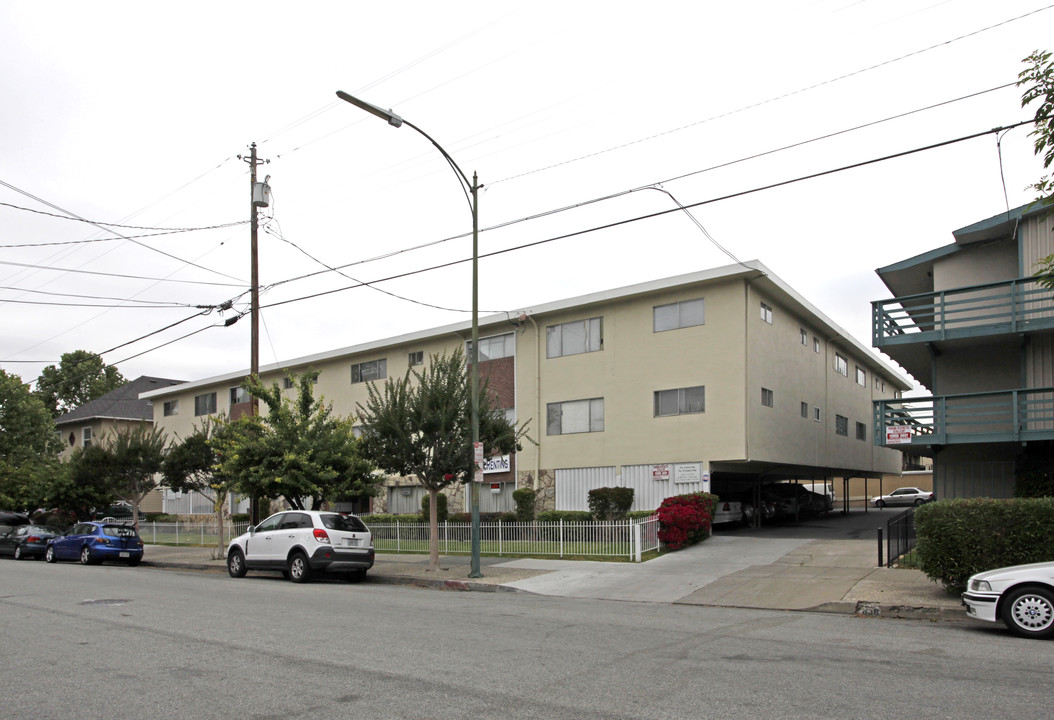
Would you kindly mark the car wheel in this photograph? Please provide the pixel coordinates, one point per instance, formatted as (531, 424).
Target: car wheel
(85, 556)
(299, 570)
(49, 554)
(919, 501)
(880, 504)
(18, 553)
(1029, 612)
(236, 564)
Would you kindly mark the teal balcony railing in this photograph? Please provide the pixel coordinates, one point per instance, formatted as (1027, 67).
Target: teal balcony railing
(974, 311)
(1008, 416)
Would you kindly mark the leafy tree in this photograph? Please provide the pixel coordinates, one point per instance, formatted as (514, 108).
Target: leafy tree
(28, 444)
(298, 451)
(81, 376)
(190, 466)
(420, 425)
(1038, 79)
(123, 465)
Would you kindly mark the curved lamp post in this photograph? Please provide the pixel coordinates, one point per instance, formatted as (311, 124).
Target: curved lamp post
(471, 194)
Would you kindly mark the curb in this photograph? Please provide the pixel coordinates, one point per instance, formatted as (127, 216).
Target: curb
(375, 578)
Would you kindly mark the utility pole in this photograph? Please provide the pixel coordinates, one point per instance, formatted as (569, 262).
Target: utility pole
(259, 197)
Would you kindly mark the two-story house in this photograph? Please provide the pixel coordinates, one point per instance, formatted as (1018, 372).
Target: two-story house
(972, 325)
(720, 379)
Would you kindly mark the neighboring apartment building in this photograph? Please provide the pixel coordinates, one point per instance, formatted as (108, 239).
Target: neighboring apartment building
(117, 410)
(973, 326)
(720, 380)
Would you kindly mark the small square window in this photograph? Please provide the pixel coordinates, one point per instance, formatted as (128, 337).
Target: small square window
(417, 358)
(841, 425)
(767, 397)
(861, 431)
(171, 408)
(239, 395)
(204, 404)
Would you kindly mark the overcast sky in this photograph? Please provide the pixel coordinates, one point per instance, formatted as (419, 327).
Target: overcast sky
(134, 114)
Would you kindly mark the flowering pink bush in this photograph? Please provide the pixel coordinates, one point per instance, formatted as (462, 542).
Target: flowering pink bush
(685, 519)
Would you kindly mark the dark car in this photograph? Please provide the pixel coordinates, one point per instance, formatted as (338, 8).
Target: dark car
(10, 519)
(94, 542)
(27, 541)
(121, 512)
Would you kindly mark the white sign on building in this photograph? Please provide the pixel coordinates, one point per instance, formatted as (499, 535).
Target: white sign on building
(898, 434)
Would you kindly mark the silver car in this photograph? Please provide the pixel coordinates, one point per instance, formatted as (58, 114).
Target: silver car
(902, 496)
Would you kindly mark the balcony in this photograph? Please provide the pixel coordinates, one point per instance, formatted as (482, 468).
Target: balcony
(1007, 416)
(993, 309)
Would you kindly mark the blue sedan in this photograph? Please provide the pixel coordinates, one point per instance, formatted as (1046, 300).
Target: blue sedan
(94, 542)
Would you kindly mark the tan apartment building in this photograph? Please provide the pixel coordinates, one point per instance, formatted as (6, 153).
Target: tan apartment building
(975, 328)
(721, 380)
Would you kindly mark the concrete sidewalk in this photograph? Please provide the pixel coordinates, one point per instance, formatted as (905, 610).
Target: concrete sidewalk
(745, 571)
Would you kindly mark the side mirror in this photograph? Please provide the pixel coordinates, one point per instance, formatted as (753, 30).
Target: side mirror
(252, 530)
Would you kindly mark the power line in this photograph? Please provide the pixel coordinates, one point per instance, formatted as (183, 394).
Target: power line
(102, 227)
(773, 99)
(117, 275)
(162, 230)
(660, 213)
(647, 186)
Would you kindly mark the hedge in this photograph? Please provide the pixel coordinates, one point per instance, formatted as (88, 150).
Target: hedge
(958, 538)
(610, 503)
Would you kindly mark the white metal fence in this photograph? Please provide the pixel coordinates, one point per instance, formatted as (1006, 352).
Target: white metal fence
(203, 534)
(622, 538)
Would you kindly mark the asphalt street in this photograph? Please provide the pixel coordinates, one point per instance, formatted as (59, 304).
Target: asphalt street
(119, 642)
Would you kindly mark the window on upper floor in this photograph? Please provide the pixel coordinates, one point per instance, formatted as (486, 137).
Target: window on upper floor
(841, 425)
(805, 410)
(861, 431)
(86, 437)
(205, 404)
(841, 365)
(686, 313)
(681, 401)
(816, 414)
(574, 338)
(767, 397)
(816, 345)
(493, 348)
(416, 358)
(371, 370)
(861, 376)
(766, 313)
(239, 395)
(880, 384)
(171, 407)
(804, 337)
(575, 416)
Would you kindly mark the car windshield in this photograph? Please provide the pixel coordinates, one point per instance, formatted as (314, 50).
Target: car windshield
(346, 523)
(119, 531)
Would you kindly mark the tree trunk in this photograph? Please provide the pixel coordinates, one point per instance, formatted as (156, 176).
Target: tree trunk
(433, 529)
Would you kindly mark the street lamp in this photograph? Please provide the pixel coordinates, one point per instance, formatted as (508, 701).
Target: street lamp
(471, 190)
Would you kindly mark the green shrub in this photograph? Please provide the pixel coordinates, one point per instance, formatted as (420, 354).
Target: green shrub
(565, 515)
(384, 519)
(237, 518)
(525, 499)
(610, 503)
(441, 510)
(957, 538)
(640, 514)
(505, 517)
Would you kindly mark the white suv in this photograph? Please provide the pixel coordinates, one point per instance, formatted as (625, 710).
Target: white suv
(301, 543)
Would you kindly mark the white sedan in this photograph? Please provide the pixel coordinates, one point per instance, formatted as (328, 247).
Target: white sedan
(1021, 596)
(902, 496)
